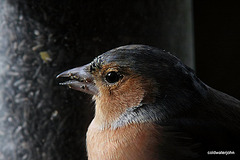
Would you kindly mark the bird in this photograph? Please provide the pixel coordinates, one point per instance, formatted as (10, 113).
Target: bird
(150, 106)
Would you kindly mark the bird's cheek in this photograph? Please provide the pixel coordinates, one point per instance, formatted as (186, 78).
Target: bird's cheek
(127, 94)
(111, 103)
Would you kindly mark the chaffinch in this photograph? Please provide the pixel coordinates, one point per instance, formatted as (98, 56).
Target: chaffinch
(150, 106)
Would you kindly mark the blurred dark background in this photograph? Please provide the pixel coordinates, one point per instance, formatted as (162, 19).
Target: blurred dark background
(41, 38)
(217, 40)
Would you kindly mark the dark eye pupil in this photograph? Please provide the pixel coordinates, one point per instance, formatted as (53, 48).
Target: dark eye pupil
(112, 77)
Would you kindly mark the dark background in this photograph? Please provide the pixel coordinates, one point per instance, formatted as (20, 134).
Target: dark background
(40, 119)
(217, 41)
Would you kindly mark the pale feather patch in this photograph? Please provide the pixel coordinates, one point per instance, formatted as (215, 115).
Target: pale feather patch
(139, 114)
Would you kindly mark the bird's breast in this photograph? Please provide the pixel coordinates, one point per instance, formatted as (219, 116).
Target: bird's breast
(132, 142)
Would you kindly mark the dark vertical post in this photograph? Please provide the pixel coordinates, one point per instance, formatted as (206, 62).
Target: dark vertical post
(39, 39)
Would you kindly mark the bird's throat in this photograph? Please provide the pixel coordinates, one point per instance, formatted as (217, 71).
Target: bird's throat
(135, 141)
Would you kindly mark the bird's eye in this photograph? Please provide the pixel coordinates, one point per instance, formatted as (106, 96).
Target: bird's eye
(113, 77)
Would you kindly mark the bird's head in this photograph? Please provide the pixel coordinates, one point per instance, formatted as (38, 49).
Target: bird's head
(134, 83)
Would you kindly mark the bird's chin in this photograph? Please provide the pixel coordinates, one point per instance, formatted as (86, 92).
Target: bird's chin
(80, 79)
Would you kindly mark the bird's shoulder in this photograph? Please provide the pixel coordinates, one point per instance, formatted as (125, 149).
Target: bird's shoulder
(213, 124)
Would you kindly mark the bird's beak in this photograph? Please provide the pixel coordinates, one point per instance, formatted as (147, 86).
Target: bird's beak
(80, 79)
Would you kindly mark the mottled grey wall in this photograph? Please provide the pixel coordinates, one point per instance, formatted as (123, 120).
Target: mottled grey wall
(39, 39)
